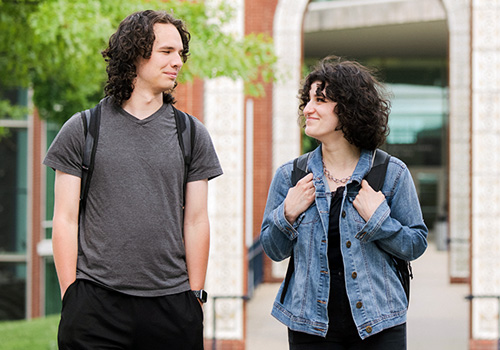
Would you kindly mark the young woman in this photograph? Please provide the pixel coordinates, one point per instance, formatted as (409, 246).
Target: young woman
(344, 292)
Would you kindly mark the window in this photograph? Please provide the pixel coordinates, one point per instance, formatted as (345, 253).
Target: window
(417, 122)
(13, 209)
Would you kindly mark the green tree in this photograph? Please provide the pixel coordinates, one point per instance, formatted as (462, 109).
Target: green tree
(54, 47)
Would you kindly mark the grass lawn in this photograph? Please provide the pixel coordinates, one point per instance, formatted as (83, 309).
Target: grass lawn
(36, 334)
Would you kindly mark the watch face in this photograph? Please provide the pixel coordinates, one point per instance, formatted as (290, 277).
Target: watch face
(203, 296)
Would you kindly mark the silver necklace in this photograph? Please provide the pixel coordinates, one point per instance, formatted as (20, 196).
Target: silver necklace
(334, 179)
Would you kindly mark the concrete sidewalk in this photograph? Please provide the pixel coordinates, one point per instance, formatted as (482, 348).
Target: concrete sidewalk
(438, 316)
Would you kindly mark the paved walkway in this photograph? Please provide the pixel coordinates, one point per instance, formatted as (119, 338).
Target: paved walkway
(438, 317)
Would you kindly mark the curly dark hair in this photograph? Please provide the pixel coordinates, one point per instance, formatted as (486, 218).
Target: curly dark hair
(134, 38)
(362, 106)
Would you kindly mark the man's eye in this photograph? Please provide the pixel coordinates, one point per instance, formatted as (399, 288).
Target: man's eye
(320, 99)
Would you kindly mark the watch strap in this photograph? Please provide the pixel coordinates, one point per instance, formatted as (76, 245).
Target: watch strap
(201, 294)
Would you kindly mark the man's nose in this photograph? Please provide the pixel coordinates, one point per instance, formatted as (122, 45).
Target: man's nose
(178, 62)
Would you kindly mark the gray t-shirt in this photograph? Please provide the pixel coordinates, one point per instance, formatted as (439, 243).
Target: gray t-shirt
(131, 239)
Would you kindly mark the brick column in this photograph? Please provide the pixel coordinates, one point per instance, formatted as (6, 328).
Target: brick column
(259, 18)
(35, 293)
(189, 98)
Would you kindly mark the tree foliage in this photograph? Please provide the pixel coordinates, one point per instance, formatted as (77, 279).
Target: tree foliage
(54, 47)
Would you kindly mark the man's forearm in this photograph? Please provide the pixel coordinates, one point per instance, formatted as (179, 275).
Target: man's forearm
(65, 227)
(65, 246)
(197, 242)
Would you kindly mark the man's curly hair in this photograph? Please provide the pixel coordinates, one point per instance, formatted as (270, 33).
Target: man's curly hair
(362, 104)
(134, 38)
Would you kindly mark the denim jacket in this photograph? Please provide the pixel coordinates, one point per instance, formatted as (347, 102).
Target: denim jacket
(376, 296)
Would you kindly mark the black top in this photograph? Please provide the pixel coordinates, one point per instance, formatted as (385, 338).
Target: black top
(341, 323)
(335, 261)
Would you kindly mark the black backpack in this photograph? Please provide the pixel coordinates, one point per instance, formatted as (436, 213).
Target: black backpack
(91, 119)
(375, 178)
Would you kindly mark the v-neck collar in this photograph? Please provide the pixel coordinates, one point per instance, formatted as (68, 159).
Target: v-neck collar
(165, 108)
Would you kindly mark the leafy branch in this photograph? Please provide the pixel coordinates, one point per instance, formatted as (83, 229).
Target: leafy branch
(54, 46)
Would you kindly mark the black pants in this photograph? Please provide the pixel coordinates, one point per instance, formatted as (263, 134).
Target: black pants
(98, 318)
(390, 339)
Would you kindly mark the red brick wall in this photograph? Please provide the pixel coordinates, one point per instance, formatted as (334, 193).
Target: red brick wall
(476, 344)
(189, 97)
(225, 344)
(36, 220)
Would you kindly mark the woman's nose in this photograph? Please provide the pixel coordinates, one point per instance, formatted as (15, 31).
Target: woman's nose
(308, 109)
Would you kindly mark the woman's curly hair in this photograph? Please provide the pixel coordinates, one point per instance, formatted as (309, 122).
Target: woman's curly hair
(134, 38)
(362, 104)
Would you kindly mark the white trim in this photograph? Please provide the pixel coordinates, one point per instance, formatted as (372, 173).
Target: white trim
(13, 258)
(10, 123)
(44, 248)
(249, 149)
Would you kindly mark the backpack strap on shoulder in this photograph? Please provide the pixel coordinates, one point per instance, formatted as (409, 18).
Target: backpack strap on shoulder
(91, 119)
(300, 168)
(376, 176)
(186, 134)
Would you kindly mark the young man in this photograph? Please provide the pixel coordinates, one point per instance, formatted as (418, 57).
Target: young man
(130, 269)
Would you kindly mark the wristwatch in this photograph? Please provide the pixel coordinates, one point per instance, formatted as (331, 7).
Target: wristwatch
(201, 294)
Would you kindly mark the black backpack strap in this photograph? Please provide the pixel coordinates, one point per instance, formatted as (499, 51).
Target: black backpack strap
(300, 168)
(91, 119)
(298, 172)
(376, 178)
(186, 134)
(288, 277)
